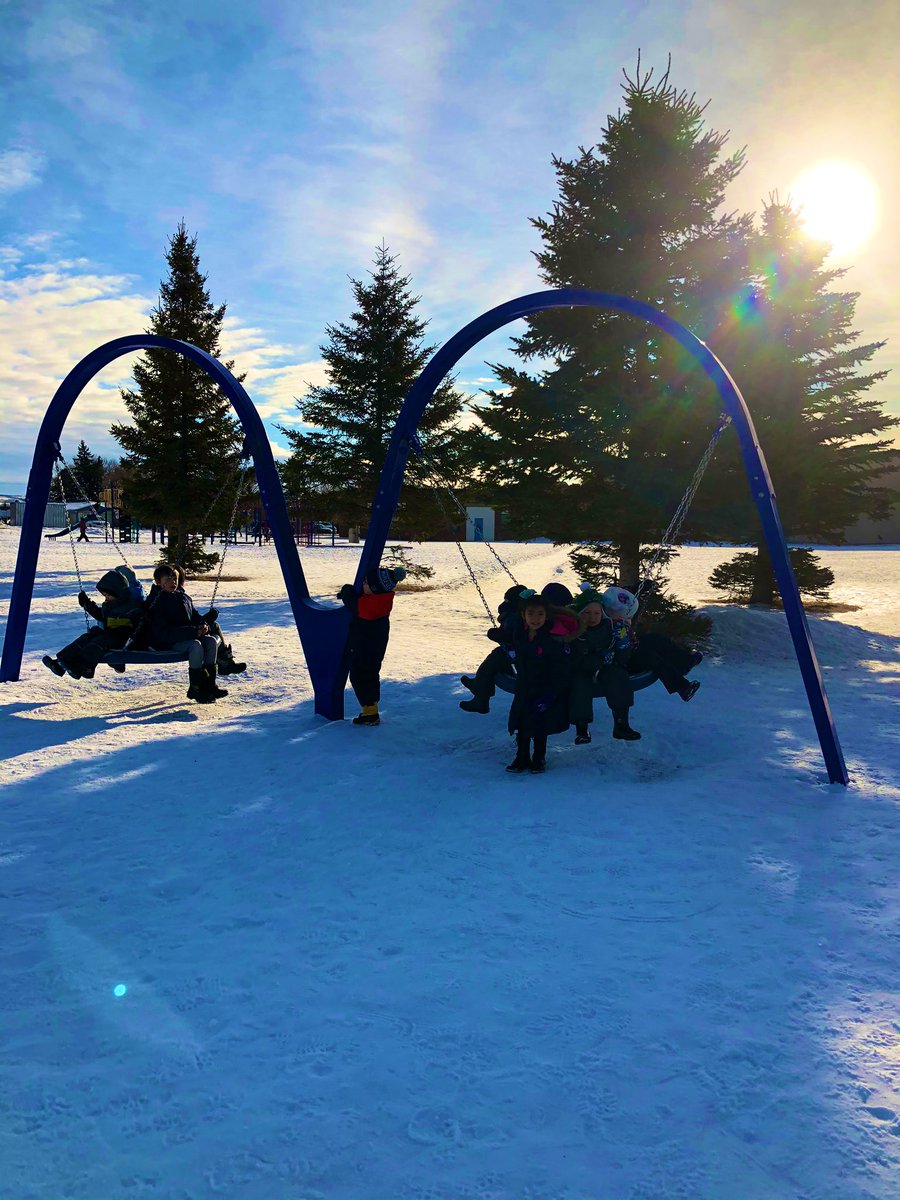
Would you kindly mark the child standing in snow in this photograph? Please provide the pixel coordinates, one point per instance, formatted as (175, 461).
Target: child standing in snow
(370, 628)
(540, 703)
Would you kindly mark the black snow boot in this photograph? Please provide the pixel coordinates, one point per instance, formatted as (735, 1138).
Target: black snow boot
(582, 735)
(688, 689)
(468, 681)
(200, 689)
(52, 665)
(479, 704)
(218, 692)
(622, 730)
(226, 663)
(522, 761)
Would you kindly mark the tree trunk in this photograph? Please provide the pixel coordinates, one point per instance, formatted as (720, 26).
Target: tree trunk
(629, 562)
(764, 587)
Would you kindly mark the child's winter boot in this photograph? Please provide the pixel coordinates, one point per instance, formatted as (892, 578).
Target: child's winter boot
(582, 735)
(622, 730)
(226, 663)
(522, 761)
(688, 689)
(52, 665)
(478, 703)
(210, 670)
(368, 716)
(200, 689)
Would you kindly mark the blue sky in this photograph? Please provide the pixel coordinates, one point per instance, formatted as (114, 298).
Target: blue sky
(294, 137)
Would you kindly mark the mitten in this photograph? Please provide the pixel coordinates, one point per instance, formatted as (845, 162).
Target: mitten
(495, 635)
(212, 615)
(347, 595)
(83, 599)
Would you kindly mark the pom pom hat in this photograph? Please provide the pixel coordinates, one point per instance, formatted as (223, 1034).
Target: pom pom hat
(587, 595)
(619, 604)
(384, 579)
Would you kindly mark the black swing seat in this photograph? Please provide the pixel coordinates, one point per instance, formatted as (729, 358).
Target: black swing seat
(117, 658)
(639, 681)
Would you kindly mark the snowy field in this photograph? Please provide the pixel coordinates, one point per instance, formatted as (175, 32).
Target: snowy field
(367, 964)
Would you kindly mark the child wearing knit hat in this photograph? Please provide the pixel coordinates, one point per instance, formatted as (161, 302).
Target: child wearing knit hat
(601, 660)
(370, 629)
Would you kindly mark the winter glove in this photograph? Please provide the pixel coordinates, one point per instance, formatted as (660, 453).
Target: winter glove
(212, 615)
(496, 635)
(543, 702)
(347, 594)
(84, 599)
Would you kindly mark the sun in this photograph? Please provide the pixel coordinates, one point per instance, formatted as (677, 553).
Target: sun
(840, 205)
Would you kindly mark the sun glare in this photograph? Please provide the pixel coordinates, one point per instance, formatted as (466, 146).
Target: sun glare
(840, 205)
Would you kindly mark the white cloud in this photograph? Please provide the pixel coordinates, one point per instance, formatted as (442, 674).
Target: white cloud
(19, 169)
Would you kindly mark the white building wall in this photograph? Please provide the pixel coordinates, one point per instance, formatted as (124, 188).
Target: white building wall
(480, 525)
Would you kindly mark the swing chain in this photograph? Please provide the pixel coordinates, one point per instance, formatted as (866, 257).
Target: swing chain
(441, 482)
(62, 492)
(469, 568)
(82, 489)
(228, 528)
(684, 505)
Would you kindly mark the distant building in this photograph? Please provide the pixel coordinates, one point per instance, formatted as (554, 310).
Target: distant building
(54, 513)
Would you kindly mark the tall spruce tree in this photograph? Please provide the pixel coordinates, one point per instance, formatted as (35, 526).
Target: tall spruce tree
(183, 443)
(794, 353)
(600, 444)
(372, 361)
(88, 471)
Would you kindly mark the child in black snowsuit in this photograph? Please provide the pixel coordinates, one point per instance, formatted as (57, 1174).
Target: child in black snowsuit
(540, 703)
(225, 660)
(481, 685)
(601, 660)
(118, 616)
(370, 629)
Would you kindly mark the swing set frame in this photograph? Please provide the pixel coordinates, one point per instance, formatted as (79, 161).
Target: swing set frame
(323, 628)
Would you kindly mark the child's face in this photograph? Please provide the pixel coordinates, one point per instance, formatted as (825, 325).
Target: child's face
(169, 583)
(593, 615)
(535, 616)
(107, 595)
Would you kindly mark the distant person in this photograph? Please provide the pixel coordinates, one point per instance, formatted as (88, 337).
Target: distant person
(118, 617)
(82, 530)
(370, 629)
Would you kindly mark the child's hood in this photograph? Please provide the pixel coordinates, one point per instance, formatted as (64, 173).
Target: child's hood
(114, 583)
(564, 624)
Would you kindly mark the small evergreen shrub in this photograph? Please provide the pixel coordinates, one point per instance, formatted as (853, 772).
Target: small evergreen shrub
(736, 576)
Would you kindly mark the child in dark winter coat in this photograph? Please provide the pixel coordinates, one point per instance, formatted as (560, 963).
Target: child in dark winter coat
(370, 628)
(540, 703)
(601, 658)
(225, 660)
(173, 623)
(481, 685)
(117, 616)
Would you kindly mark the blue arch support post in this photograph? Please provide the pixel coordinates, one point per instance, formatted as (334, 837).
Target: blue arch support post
(322, 629)
(445, 359)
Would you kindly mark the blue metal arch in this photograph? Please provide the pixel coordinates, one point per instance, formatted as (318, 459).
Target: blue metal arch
(321, 629)
(451, 352)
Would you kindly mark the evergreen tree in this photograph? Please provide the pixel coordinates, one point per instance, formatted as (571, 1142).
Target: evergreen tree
(600, 443)
(183, 444)
(373, 360)
(88, 471)
(802, 370)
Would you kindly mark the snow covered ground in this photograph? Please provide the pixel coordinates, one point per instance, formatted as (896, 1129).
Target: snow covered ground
(367, 964)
